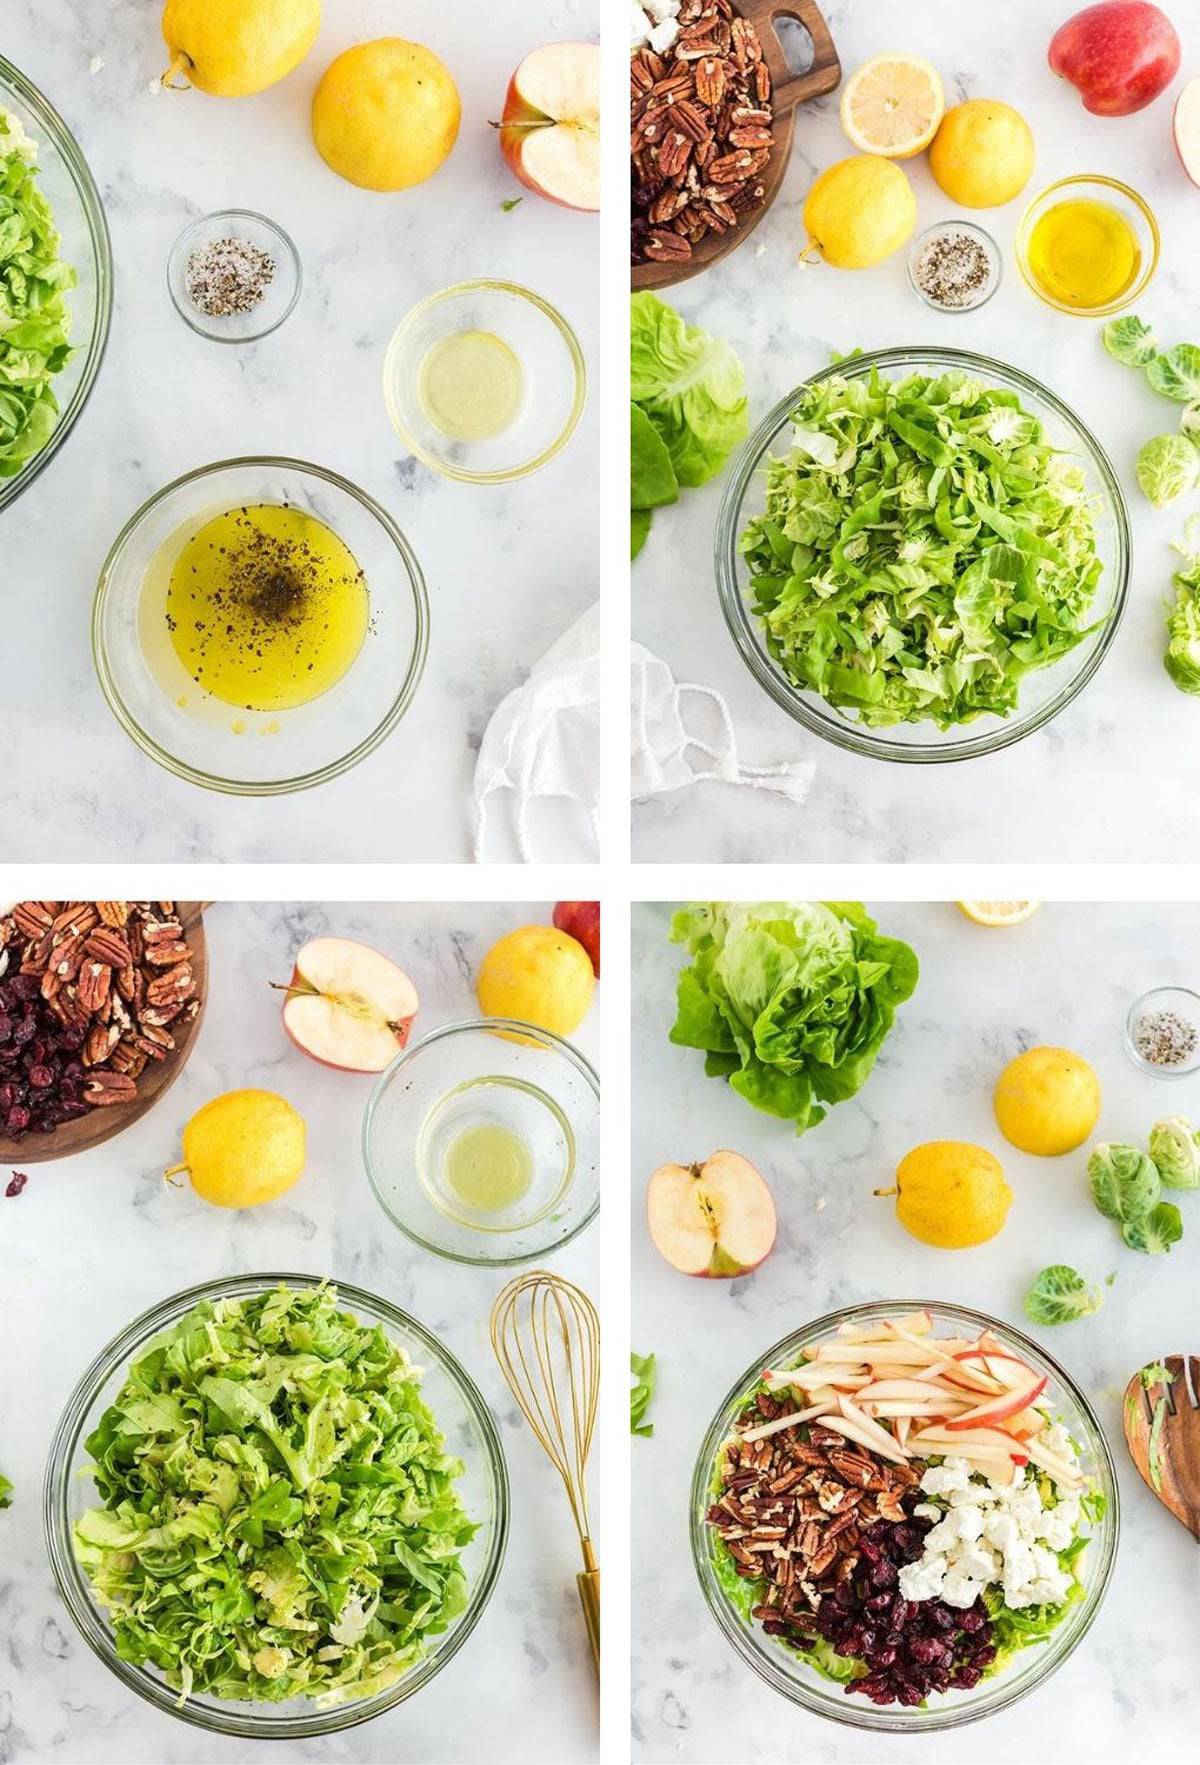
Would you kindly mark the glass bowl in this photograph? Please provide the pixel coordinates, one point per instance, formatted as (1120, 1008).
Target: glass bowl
(460, 1411)
(1044, 693)
(282, 293)
(205, 740)
(1117, 195)
(981, 238)
(1186, 1004)
(490, 1072)
(784, 1671)
(554, 380)
(79, 216)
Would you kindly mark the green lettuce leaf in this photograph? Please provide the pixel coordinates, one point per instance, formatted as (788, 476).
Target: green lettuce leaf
(35, 316)
(790, 1000)
(1156, 1231)
(644, 1371)
(1059, 1294)
(690, 385)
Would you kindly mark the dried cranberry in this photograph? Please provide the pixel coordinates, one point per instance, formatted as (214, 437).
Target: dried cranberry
(17, 1182)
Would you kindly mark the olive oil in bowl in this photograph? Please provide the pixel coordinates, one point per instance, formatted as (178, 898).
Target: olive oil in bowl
(1084, 254)
(266, 607)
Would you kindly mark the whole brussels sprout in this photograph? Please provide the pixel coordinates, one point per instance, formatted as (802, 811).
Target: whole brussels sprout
(1176, 1152)
(1124, 1179)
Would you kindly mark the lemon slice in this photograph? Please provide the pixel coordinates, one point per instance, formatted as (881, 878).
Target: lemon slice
(999, 912)
(893, 105)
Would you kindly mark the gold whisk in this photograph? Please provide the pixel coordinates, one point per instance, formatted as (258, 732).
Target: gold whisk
(546, 1335)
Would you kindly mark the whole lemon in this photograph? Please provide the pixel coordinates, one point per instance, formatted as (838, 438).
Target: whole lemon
(230, 48)
(243, 1148)
(982, 155)
(859, 211)
(386, 114)
(1047, 1101)
(950, 1194)
(540, 975)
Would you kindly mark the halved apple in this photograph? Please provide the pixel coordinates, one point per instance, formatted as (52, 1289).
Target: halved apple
(714, 1219)
(347, 1006)
(550, 131)
(1187, 129)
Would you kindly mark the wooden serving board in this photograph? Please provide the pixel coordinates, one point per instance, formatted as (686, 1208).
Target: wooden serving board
(99, 1125)
(788, 90)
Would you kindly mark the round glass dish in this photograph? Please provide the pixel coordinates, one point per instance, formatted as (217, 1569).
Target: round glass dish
(785, 1672)
(1044, 693)
(280, 296)
(461, 1413)
(490, 1072)
(205, 740)
(1128, 204)
(1183, 1003)
(978, 236)
(70, 189)
(553, 388)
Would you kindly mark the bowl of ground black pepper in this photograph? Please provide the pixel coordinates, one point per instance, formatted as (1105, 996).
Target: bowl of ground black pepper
(1162, 1032)
(955, 267)
(234, 276)
(260, 626)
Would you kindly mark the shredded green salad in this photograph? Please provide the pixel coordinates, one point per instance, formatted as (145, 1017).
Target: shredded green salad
(35, 317)
(279, 1514)
(923, 548)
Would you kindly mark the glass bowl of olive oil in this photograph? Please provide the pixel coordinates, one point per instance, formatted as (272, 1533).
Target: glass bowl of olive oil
(484, 382)
(481, 1141)
(260, 626)
(1088, 245)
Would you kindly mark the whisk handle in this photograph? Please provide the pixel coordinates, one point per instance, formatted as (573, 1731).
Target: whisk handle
(588, 1583)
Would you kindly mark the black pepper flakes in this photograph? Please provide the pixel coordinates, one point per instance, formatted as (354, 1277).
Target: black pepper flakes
(228, 277)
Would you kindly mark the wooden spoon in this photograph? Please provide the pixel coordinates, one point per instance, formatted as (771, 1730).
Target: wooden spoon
(1162, 1429)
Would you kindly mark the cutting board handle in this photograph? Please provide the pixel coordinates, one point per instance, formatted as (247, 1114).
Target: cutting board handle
(789, 88)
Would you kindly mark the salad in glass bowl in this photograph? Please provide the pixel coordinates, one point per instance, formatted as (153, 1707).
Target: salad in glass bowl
(893, 1509)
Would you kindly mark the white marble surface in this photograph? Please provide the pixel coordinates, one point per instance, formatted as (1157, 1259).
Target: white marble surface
(1066, 977)
(508, 568)
(95, 1240)
(1111, 771)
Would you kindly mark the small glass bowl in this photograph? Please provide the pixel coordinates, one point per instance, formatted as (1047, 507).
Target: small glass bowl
(982, 238)
(490, 1071)
(1117, 195)
(283, 290)
(555, 378)
(1186, 1005)
(201, 738)
(461, 1413)
(784, 1670)
(78, 216)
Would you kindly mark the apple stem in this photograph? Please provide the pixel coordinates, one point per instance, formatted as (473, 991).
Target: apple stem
(545, 122)
(305, 989)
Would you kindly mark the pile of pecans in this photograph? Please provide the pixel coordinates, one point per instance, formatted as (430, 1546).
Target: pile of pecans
(701, 132)
(90, 993)
(793, 1510)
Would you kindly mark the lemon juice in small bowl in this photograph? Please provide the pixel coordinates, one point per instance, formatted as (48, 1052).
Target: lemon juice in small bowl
(481, 1141)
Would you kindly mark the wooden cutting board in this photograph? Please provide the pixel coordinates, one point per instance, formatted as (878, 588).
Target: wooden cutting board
(99, 1125)
(788, 90)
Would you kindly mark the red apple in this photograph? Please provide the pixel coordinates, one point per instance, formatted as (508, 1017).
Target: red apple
(1187, 129)
(1119, 55)
(347, 1006)
(581, 921)
(714, 1219)
(550, 132)
(999, 1409)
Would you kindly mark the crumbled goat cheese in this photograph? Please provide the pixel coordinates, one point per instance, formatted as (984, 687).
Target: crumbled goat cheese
(993, 1534)
(653, 22)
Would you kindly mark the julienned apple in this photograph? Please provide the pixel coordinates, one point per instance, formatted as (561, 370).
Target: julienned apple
(715, 1219)
(550, 131)
(348, 1006)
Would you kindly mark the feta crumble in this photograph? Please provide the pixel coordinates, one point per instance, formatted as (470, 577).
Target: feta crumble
(653, 24)
(993, 1535)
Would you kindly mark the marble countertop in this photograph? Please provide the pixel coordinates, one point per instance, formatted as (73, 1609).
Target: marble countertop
(508, 568)
(95, 1240)
(1066, 977)
(1107, 774)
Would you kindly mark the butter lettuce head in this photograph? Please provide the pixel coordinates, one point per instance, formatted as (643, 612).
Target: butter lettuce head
(689, 384)
(791, 1001)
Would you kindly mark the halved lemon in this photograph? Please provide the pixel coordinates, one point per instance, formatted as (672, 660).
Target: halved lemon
(999, 912)
(893, 105)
